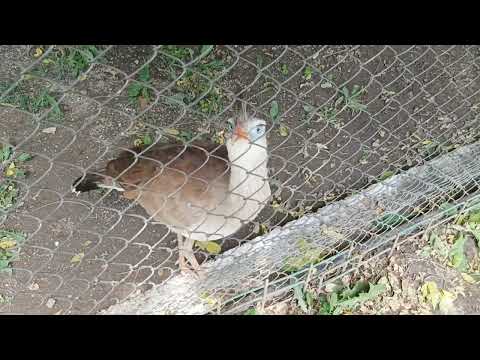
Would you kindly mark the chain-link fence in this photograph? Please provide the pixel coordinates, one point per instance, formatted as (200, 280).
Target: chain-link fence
(340, 119)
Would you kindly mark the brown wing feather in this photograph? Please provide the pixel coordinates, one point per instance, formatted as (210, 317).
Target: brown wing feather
(207, 160)
(172, 178)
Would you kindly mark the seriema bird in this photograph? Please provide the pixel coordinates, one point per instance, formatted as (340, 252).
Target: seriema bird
(201, 191)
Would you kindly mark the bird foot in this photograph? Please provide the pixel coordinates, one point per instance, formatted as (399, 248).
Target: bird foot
(193, 267)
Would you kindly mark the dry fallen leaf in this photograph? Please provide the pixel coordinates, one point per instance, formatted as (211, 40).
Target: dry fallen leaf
(468, 278)
(33, 287)
(210, 246)
(220, 137)
(7, 244)
(77, 258)
(446, 302)
(50, 303)
(142, 102)
(208, 299)
(283, 131)
(430, 293)
(50, 130)
(263, 229)
(213, 248)
(38, 52)
(173, 132)
(10, 170)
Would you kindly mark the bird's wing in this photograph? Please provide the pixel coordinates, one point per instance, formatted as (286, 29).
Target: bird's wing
(176, 181)
(205, 161)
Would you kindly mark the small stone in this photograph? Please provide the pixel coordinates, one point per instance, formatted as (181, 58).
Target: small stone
(50, 303)
(33, 287)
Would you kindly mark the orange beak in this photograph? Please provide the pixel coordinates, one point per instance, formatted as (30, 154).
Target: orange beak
(240, 133)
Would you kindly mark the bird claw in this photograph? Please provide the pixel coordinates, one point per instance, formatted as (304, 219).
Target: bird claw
(198, 274)
(194, 268)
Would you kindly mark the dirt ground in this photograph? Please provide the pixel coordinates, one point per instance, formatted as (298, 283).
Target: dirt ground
(420, 101)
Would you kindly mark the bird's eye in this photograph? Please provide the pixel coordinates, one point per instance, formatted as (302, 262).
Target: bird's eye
(257, 132)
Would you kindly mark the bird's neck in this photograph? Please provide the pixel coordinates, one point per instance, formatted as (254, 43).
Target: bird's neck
(249, 170)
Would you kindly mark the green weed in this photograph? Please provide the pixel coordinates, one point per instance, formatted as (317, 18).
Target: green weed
(138, 92)
(32, 102)
(9, 245)
(69, 62)
(194, 85)
(11, 169)
(351, 99)
(348, 299)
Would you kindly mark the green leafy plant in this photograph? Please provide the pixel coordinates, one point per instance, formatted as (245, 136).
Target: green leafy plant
(139, 92)
(65, 62)
(8, 195)
(305, 298)
(44, 101)
(327, 82)
(181, 53)
(206, 49)
(438, 245)
(274, 110)
(351, 99)
(4, 299)
(259, 61)
(5, 153)
(33, 103)
(456, 256)
(308, 73)
(448, 244)
(12, 168)
(195, 85)
(251, 311)
(348, 299)
(144, 140)
(329, 115)
(10, 241)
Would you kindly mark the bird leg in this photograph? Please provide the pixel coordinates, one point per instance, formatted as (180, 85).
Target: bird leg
(185, 253)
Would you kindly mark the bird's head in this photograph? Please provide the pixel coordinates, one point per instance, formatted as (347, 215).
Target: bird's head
(248, 137)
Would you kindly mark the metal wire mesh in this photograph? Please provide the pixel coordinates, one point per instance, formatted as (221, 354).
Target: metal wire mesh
(340, 118)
